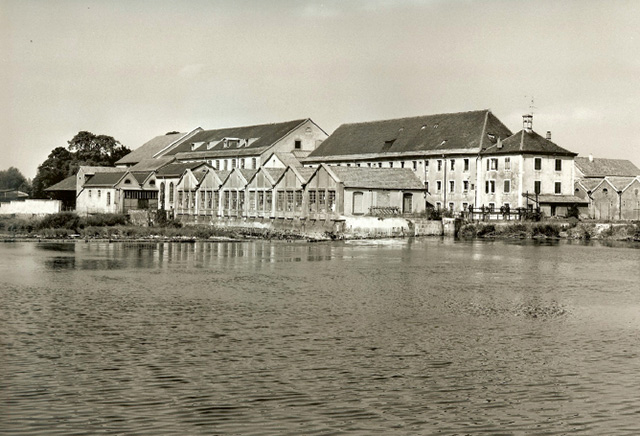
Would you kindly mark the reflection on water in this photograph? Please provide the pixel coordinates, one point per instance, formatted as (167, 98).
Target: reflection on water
(389, 337)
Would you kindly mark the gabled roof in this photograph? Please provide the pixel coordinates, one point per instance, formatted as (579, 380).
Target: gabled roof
(422, 135)
(274, 173)
(304, 172)
(598, 167)
(152, 164)
(376, 178)
(105, 179)
(150, 148)
(288, 159)
(88, 170)
(141, 176)
(620, 183)
(259, 136)
(589, 184)
(527, 142)
(176, 169)
(68, 184)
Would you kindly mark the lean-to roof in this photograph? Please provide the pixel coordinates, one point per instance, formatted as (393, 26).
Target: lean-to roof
(68, 184)
(150, 148)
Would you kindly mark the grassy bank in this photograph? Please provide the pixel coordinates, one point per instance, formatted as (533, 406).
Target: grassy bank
(117, 227)
(569, 230)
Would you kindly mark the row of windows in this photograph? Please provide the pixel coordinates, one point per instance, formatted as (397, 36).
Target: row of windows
(108, 196)
(465, 206)
(490, 186)
(493, 164)
(229, 164)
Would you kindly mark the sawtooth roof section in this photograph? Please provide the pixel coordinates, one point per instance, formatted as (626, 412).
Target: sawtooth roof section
(590, 184)
(214, 154)
(288, 159)
(620, 183)
(606, 167)
(416, 135)
(152, 164)
(525, 142)
(274, 173)
(141, 176)
(68, 184)
(377, 178)
(105, 179)
(149, 148)
(176, 169)
(262, 135)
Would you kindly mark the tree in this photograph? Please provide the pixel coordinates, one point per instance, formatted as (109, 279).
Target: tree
(85, 148)
(13, 179)
(54, 169)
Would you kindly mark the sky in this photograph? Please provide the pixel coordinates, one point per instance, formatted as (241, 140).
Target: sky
(136, 69)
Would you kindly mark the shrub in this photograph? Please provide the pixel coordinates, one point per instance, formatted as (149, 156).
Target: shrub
(105, 219)
(485, 230)
(468, 231)
(547, 230)
(62, 220)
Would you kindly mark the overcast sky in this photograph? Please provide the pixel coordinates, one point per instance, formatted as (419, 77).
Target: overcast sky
(137, 69)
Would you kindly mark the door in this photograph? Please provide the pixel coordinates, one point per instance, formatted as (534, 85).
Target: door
(407, 203)
(358, 203)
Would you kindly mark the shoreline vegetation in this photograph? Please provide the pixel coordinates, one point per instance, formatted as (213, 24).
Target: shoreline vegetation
(116, 227)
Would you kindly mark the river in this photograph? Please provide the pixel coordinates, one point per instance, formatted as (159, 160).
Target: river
(412, 336)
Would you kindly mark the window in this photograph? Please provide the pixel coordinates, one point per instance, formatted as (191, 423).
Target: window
(108, 198)
(452, 186)
(289, 201)
(216, 199)
(193, 199)
(379, 164)
(439, 186)
(226, 165)
(99, 194)
(451, 206)
(369, 164)
(492, 207)
(268, 200)
(312, 201)
(438, 205)
(466, 165)
(402, 164)
(465, 186)
(180, 198)
(280, 201)
(465, 206)
(260, 200)
(452, 164)
(298, 144)
(89, 193)
(439, 165)
(492, 164)
(390, 164)
(233, 163)
(234, 200)
(426, 186)
(241, 200)
(537, 186)
(507, 163)
(254, 163)
(209, 199)
(537, 163)
(490, 187)
(331, 202)
(202, 199)
(558, 188)
(171, 192)
(241, 163)
(299, 199)
(218, 164)
(558, 164)
(415, 165)
(507, 186)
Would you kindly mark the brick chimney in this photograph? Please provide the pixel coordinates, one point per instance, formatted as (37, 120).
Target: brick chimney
(527, 123)
(548, 135)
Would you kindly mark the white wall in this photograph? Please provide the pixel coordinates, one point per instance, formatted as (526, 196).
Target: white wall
(31, 207)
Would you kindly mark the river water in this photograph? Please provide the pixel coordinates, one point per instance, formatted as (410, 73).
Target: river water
(424, 336)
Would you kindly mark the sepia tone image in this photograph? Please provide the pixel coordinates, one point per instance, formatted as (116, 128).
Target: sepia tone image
(394, 217)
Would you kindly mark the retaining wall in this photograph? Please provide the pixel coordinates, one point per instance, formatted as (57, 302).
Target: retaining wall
(31, 207)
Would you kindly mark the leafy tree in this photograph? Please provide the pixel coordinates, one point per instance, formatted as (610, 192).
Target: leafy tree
(85, 148)
(13, 179)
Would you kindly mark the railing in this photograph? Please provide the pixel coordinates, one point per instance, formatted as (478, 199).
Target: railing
(502, 214)
(384, 211)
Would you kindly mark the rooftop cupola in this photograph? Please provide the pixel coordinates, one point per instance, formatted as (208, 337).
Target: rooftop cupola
(527, 123)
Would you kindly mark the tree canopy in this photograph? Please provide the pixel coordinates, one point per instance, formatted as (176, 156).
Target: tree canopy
(13, 179)
(85, 148)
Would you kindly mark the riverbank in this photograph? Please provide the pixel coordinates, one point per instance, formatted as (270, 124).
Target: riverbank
(550, 230)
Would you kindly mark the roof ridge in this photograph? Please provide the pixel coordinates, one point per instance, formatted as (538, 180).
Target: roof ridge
(301, 120)
(414, 117)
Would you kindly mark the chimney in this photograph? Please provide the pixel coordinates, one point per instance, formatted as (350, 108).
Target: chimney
(548, 135)
(590, 158)
(499, 143)
(527, 123)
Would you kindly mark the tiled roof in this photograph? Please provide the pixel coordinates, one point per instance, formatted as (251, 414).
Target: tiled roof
(306, 172)
(377, 178)
(68, 184)
(275, 173)
(288, 159)
(558, 199)
(620, 182)
(598, 167)
(263, 135)
(528, 142)
(152, 164)
(140, 176)
(149, 148)
(214, 153)
(417, 135)
(590, 184)
(177, 168)
(247, 173)
(93, 170)
(105, 179)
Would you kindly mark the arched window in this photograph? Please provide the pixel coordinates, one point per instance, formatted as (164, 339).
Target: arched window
(162, 194)
(171, 192)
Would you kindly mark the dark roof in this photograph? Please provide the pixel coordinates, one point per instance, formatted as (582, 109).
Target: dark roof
(176, 169)
(263, 135)
(88, 170)
(557, 199)
(527, 142)
(149, 148)
(68, 184)
(214, 154)
(606, 167)
(377, 178)
(104, 179)
(152, 164)
(140, 176)
(417, 135)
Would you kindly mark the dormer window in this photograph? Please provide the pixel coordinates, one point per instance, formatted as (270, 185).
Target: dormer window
(127, 182)
(196, 145)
